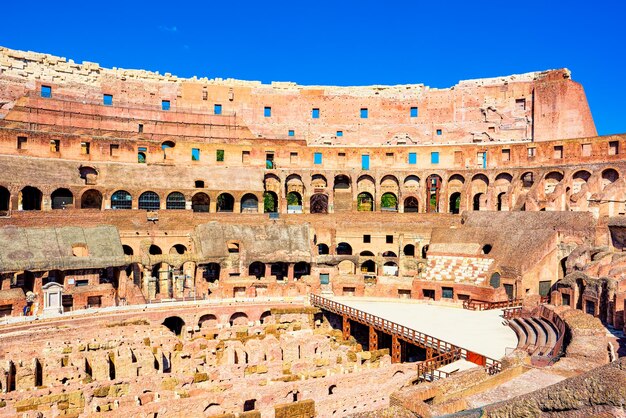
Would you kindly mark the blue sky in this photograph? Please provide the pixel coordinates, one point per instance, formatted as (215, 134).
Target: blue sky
(340, 42)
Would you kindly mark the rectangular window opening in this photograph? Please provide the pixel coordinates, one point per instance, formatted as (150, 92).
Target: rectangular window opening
(414, 112)
(339, 133)
(439, 132)
(21, 142)
(55, 145)
(558, 151)
(46, 91)
(113, 150)
(165, 105)
(245, 157)
(434, 157)
(84, 148)
(389, 239)
(107, 99)
(367, 239)
(532, 152)
(293, 157)
(315, 113)
(269, 160)
(140, 128)
(520, 104)
(613, 147)
(506, 155)
(317, 158)
(586, 150)
(219, 155)
(267, 112)
(292, 132)
(412, 158)
(364, 113)
(217, 109)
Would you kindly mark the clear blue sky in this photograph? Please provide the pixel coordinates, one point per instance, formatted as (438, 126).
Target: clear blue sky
(341, 42)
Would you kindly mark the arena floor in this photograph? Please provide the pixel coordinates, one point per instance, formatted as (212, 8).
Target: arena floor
(482, 332)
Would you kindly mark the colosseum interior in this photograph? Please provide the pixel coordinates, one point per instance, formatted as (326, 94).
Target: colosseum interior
(215, 247)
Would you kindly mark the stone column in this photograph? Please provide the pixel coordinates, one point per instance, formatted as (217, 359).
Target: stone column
(290, 272)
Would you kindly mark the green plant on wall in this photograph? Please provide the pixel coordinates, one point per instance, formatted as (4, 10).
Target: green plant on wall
(292, 199)
(269, 204)
(389, 200)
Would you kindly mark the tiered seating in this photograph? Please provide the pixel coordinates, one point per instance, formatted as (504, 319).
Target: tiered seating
(536, 335)
(458, 269)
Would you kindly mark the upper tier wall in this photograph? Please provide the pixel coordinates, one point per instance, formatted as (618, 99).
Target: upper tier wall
(534, 106)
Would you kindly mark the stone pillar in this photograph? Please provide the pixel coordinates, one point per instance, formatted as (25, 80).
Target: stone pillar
(396, 349)
(373, 342)
(346, 327)
(290, 271)
(268, 271)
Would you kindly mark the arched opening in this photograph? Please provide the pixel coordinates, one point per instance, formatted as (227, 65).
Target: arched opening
(238, 318)
(178, 249)
(270, 202)
(332, 389)
(207, 321)
(200, 202)
(211, 272)
(477, 199)
(494, 281)
(368, 267)
(389, 202)
(609, 176)
(256, 269)
(412, 183)
(411, 205)
(62, 198)
(389, 254)
(318, 181)
(5, 199)
(579, 179)
(433, 184)
(364, 202)
(31, 198)
(366, 254)
(249, 203)
(455, 203)
(166, 146)
(486, 249)
(424, 251)
(225, 202)
(154, 250)
(149, 201)
(409, 250)
(390, 268)
(279, 270)
(174, 324)
(552, 179)
(322, 249)
(319, 203)
(121, 200)
(89, 174)
(501, 200)
(233, 247)
(141, 157)
(342, 182)
(346, 267)
(175, 201)
(91, 199)
(294, 202)
(249, 405)
(128, 250)
(528, 179)
(301, 269)
(343, 248)
(265, 317)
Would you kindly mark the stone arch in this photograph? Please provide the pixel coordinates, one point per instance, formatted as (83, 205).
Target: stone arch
(501, 202)
(412, 183)
(528, 179)
(200, 202)
(294, 183)
(31, 198)
(409, 250)
(270, 202)
(121, 199)
(175, 201)
(91, 199)
(609, 176)
(551, 180)
(343, 248)
(342, 182)
(265, 317)
(89, 174)
(166, 146)
(390, 183)
(149, 201)
(477, 201)
(365, 202)
(411, 205)
(480, 182)
(390, 268)
(225, 202)
(368, 267)
(346, 267)
(503, 177)
(271, 183)
(62, 198)
(579, 179)
(154, 250)
(294, 202)
(389, 202)
(322, 249)
(238, 318)
(319, 203)
(366, 183)
(256, 269)
(178, 249)
(174, 324)
(433, 186)
(366, 253)
(454, 204)
(318, 181)
(207, 321)
(128, 250)
(249, 203)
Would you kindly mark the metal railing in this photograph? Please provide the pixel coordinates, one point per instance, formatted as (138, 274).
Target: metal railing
(484, 305)
(492, 366)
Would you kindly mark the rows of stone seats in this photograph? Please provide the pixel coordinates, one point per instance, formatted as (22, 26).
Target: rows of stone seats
(458, 269)
(537, 336)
